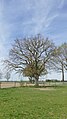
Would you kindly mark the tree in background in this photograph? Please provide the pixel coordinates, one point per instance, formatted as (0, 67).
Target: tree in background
(7, 75)
(31, 56)
(1, 75)
(64, 52)
(60, 61)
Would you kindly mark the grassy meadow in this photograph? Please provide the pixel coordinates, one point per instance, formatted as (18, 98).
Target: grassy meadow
(33, 103)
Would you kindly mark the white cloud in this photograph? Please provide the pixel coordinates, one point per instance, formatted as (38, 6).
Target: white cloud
(29, 17)
(61, 4)
(26, 16)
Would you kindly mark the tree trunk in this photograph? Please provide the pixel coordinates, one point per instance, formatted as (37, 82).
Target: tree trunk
(36, 81)
(62, 73)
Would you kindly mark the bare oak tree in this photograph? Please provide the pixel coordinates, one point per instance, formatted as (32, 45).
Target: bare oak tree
(31, 56)
(60, 61)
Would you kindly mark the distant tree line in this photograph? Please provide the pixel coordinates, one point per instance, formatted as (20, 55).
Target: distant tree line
(34, 56)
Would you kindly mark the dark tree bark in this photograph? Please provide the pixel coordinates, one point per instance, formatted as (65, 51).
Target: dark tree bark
(62, 73)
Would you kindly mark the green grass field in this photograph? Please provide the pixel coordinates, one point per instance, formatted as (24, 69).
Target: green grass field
(31, 103)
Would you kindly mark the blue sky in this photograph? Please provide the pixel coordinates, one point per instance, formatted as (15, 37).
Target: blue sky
(21, 18)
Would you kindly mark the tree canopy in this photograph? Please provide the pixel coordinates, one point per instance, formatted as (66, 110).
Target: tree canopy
(60, 61)
(31, 56)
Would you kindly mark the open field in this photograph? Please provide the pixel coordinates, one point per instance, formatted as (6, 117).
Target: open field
(9, 84)
(33, 103)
